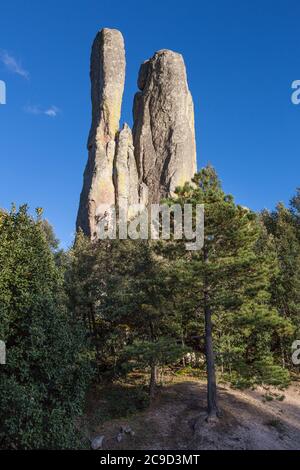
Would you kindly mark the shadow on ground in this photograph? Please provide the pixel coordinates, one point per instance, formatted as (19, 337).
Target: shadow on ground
(176, 421)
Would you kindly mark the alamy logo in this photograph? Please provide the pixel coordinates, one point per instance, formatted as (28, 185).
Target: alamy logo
(154, 222)
(295, 97)
(2, 92)
(2, 352)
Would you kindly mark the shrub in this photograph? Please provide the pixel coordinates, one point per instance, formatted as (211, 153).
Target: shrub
(43, 384)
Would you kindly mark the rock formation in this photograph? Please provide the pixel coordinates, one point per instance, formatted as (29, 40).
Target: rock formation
(163, 131)
(107, 79)
(126, 168)
(125, 172)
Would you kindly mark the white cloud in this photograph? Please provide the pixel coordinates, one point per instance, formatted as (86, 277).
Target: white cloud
(52, 111)
(13, 65)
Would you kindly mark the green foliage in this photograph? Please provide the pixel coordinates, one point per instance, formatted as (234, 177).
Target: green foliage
(121, 290)
(282, 225)
(141, 354)
(43, 384)
(128, 305)
(135, 297)
(270, 373)
(234, 268)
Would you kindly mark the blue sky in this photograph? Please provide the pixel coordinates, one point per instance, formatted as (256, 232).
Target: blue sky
(241, 58)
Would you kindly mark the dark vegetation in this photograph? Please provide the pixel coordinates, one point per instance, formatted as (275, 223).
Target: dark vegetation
(101, 313)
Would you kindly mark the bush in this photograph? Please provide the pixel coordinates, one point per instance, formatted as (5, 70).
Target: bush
(43, 384)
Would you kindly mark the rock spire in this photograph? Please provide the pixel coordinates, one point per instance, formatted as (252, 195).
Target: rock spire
(145, 165)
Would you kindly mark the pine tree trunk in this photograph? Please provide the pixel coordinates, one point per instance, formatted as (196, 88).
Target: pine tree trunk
(153, 373)
(182, 343)
(212, 407)
(152, 385)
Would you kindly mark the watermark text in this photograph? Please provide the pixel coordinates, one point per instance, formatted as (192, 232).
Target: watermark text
(156, 221)
(2, 92)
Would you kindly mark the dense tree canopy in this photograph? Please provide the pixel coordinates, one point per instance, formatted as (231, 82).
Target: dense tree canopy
(116, 306)
(42, 385)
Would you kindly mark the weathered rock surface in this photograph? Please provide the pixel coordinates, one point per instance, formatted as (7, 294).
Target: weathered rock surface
(127, 430)
(97, 442)
(142, 167)
(125, 172)
(107, 80)
(163, 132)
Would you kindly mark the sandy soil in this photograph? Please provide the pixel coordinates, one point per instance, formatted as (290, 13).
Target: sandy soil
(258, 419)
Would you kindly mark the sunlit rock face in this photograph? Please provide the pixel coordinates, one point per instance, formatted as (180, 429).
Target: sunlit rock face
(163, 131)
(143, 166)
(125, 172)
(107, 81)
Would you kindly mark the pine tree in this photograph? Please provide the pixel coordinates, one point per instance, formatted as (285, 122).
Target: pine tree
(227, 280)
(123, 289)
(285, 286)
(141, 299)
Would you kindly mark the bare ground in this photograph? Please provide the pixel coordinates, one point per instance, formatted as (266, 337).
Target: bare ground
(252, 419)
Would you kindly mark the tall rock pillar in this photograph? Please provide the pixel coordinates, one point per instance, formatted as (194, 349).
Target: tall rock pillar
(125, 167)
(164, 131)
(107, 74)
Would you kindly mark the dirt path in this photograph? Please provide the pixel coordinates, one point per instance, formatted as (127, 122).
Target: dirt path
(251, 420)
